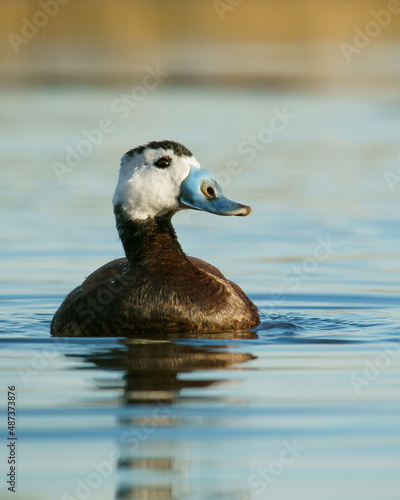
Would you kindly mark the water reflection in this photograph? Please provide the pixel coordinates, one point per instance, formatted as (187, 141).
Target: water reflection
(150, 464)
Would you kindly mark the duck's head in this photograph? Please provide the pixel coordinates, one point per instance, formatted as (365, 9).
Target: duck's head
(164, 177)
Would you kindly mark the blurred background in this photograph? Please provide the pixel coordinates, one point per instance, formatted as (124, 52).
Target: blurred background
(274, 42)
(294, 106)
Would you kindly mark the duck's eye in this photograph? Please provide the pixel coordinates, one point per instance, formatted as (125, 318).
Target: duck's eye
(209, 191)
(163, 162)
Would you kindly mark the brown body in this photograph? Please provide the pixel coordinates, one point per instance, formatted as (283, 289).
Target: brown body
(156, 289)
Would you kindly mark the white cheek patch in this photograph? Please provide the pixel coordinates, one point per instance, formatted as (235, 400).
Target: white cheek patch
(146, 191)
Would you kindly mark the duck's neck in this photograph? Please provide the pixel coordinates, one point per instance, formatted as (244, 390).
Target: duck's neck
(151, 242)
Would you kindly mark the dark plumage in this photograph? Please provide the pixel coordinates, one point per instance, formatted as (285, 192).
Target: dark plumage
(157, 288)
(178, 148)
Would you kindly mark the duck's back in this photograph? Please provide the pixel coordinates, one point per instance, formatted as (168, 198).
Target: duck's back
(118, 301)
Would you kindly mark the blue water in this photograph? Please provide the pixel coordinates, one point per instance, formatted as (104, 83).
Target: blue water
(307, 405)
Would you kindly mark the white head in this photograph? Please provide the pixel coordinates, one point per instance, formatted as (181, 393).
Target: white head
(164, 177)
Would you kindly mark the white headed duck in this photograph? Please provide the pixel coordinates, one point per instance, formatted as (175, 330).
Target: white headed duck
(157, 288)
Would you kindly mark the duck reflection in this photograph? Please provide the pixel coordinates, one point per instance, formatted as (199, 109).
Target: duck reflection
(154, 446)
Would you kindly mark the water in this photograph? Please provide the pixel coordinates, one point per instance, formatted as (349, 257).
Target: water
(307, 405)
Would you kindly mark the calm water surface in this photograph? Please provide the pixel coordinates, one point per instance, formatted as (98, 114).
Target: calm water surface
(307, 405)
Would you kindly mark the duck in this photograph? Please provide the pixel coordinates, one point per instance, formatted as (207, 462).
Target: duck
(156, 288)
